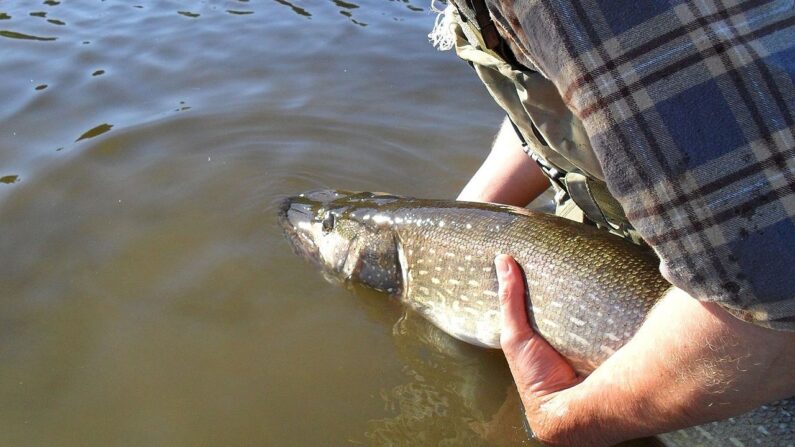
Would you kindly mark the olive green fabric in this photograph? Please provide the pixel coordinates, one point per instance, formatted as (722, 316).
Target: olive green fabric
(536, 108)
(529, 99)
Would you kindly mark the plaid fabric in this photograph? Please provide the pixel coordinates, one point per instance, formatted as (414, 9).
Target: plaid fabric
(690, 108)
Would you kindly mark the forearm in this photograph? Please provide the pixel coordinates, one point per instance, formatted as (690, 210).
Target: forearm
(507, 175)
(690, 363)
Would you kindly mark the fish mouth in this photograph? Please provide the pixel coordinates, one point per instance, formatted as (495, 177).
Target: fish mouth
(295, 216)
(304, 207)
(299, 217)
(284, 208)
(297, 212)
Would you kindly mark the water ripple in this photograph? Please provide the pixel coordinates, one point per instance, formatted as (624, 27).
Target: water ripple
(9, 179)
(296, 9)
(95, 131)
(22, 36)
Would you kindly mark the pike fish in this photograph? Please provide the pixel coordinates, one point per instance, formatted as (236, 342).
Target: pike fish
(589, 291)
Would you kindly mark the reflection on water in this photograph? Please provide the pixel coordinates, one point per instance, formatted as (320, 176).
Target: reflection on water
(346, 9)
(298, 10)
(16, 35)
(188, 14)
(453, 394)
(95, 131)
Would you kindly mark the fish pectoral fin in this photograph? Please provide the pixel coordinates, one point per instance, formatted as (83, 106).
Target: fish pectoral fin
(403, 268)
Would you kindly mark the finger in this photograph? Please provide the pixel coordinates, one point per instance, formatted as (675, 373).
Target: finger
(537, 367)
(512, 300)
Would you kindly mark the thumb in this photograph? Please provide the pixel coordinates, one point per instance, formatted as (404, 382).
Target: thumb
(515, 325)
(535, 365)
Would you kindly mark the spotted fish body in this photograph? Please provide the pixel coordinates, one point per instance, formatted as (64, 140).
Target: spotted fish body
(588, 291)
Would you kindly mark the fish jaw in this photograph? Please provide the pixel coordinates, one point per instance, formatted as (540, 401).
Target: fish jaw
(302, 220)
(296, 222)
(327, 228)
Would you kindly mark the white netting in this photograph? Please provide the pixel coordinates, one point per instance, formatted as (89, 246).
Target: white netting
(441, 36)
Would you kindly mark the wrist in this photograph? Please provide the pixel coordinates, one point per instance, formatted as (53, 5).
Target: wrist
(568, 418)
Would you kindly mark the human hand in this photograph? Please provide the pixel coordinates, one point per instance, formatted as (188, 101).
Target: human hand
(689, 363)
(539, 371)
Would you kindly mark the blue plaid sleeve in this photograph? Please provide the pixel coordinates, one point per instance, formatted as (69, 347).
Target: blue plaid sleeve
(690, 108)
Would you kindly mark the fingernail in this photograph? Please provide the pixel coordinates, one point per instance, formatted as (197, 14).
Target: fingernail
(501, 264)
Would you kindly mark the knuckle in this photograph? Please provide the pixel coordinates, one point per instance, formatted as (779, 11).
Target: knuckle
(505, 291)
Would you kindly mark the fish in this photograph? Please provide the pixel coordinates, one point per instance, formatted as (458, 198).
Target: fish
(588, 291)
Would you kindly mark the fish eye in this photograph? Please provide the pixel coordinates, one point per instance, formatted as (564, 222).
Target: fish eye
(328, 222)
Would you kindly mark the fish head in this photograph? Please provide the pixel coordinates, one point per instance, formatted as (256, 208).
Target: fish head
(343, 232)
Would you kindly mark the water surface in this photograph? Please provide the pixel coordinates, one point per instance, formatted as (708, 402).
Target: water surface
(148, 297)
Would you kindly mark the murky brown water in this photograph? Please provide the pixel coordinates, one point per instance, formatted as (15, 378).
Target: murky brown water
(148, 297)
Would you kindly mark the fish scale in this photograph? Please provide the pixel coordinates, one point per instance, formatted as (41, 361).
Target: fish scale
(565, 271)
(588, 291)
